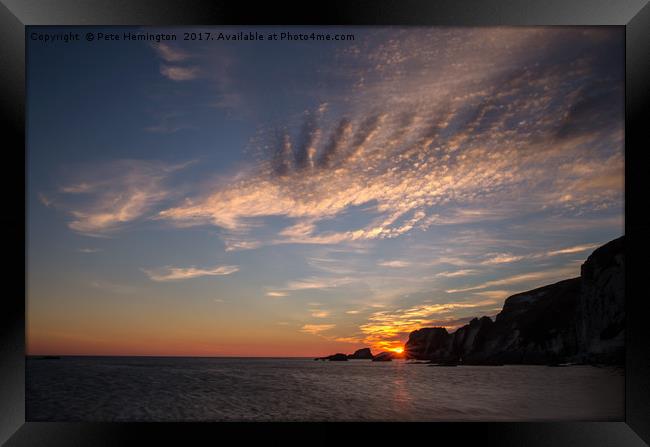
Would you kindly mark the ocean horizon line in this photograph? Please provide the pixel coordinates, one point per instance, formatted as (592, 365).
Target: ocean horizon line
(169, 356)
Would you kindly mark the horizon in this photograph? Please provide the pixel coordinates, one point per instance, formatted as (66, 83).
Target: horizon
(298, 199)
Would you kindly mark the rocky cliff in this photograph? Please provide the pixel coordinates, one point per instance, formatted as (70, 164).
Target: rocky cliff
(601, 305)
(576, 320)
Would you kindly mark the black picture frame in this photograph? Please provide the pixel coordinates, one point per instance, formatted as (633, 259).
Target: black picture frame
(15, 15)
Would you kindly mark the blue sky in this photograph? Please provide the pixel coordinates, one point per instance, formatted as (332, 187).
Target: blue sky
(301, 198)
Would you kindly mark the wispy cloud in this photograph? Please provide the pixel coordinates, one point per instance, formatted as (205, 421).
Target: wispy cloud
(531, 277)
(505, 258)
(456, 273)
(387, 329)
(571, 250)
(352, 340)
(334, 266)
(495, 294)
(276, 294)
(44, 199)
(108, 196)
(176, 73)
(78, 188)
(212, 67)
(180, 273)
(308, 284)
(395, 264)
(170, 53)
(89, 250)
(234, 243)
(312, 283)
(317, 329)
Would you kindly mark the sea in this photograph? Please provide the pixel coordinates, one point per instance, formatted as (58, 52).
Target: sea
(299, 389)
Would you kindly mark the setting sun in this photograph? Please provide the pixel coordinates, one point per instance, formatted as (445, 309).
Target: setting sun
(398, 350)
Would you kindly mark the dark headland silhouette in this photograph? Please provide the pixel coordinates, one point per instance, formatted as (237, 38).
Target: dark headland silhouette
(576, 321)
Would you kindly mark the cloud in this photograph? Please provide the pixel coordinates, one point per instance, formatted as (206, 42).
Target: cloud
(181, 273)
(432, 144)
(335, 266)
(276, 294)
(386, 329)
(353, 340)
(113, 194)
(558, 274)
(316, 329)
(311, 283)
(308, 284)
(176, 73)
(571, 250)
(78, 188)
(495, 294)
(233, 242)
(394, 264)
(44, 199)
(170, 53)
(212, 67)
(457, 273)
(89, 250)
(504, 258)
(320, 313)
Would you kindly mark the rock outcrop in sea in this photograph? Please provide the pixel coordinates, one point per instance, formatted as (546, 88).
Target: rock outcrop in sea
(361, 354)
(338, 357)
(383, 357)
(578, 320)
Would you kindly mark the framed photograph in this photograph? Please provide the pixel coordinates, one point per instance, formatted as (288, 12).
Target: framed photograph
(413, 215)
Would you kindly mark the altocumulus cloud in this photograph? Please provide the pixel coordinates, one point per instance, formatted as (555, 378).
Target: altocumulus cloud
(435, 129)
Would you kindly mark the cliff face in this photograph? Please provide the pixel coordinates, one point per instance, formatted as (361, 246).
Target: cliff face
(576, 320)
(601, 305)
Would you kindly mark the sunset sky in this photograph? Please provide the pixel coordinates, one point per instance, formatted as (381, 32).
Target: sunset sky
(306, 198)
